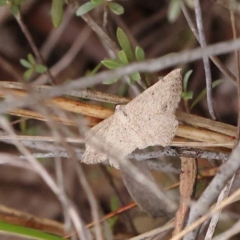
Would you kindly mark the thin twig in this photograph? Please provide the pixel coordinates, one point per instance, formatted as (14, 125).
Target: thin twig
(91, 198)
(233, 22)
(226, 171)
(225, 192)
(188, 177)
(99, 96)
(108, 43)
(66, 60)
(33, 45)
(213, 223)
(145, 66)
(233, 198)
(56, 34)
(206, 123)
(167, 152)
(12, 71)
(154, 232)
(198, 13)
(84, 93)
(49, 181)
(60, 182)
(40, 138)
(102, 34)
(235, 229)
(214, 59)
(20, 218)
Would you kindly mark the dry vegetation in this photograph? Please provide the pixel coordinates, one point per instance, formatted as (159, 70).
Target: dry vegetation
(44, 185)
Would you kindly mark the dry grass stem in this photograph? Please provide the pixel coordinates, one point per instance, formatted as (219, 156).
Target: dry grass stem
(186, 188)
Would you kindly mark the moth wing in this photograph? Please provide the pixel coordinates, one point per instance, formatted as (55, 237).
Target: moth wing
(147, 120)
(152, 113)
(160, 98)
(112, 139)
(158, 130)
(94, 152)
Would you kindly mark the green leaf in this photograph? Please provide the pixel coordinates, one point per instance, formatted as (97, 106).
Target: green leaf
(125, 44)
(14, 10)
(41, 68)
(31, 59)
(27, 74)
(26, 232)
(97, 1)
(3, 3)
(112, 63)
(204, 92)
(134, 77)
(57, 12)
(139, 53)
(17, 2)
(187, 95)
(122, 57)
(174, 10)
(25, 63)
(185, 80)
(86, 7)
(107, 82)
(116, 8)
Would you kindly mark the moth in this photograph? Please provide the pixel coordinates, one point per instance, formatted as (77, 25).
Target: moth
(147, 120)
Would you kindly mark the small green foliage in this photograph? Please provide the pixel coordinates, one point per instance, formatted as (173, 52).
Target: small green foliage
(88, 6)
(85, 8)
(11, 2)
(174, 10)
(139, 53)
(186, 95)
(3, 2)
(31, 59)
(185, 80)
(124, 43)
(112, 63)
(40, 68)
(28, 73)
(134, 77)
(97, 1)
(204, 92)
(32, 66)
(14, 5)
(14, 10)
(124, 57)
(25, 63)
(57, 12)
(17, 2)
(116, 8)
